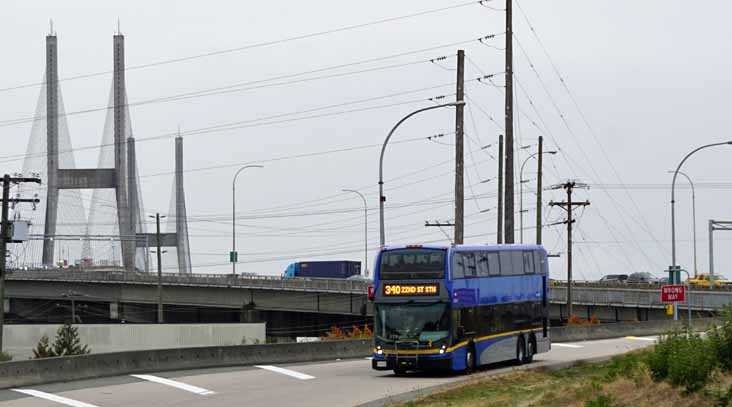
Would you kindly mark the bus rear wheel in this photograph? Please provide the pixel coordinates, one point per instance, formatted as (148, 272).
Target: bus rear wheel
(530, 350)
(520, 350)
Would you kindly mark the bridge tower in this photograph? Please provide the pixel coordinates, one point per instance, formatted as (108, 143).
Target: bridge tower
(115, 181)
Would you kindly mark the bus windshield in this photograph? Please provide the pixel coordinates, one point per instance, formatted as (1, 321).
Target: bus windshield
(422, 322)
(412, 264)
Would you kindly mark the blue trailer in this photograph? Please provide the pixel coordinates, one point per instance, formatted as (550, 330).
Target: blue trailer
(323, 269)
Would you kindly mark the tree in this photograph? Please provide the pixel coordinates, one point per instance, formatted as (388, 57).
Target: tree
(67, 342)
(43, 349)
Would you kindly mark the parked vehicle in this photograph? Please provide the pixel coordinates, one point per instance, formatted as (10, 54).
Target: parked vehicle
(642, 278)
(705, 280)
(323, 269)
(614, 279)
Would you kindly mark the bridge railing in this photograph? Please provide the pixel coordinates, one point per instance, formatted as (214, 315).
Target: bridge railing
(630, 296)
(213, 280)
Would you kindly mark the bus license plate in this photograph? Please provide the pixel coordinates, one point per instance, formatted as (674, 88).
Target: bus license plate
(381, 363)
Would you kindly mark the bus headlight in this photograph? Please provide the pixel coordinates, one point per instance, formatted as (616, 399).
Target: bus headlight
(442, 349)
(379, 351)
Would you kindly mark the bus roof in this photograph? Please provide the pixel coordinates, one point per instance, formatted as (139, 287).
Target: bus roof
(459, 248)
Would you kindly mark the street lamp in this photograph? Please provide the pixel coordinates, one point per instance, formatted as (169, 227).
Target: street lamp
(693, 216)
(521, 191)
(382, 198)
(673, 208)
(233, 255)
(365, 231)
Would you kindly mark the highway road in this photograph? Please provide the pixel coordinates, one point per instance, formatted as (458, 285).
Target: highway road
(333, 383)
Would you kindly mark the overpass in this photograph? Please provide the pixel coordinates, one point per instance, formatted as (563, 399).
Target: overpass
(114, 295)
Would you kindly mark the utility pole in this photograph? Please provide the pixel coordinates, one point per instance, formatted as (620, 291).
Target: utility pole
(4, 238)
(499, 234)
(459, 156)
(508, 177)
(538, 190)
(568, 205)
(159, 252)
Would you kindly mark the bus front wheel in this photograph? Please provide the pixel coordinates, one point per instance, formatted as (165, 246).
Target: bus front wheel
(400, 372)
(520, 350)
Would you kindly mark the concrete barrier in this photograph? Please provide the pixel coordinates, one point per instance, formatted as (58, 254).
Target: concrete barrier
(62, 369)
(33, 372)
(102, 338)
(617, 330)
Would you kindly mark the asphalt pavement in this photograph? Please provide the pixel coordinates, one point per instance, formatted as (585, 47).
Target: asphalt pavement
(337, 383)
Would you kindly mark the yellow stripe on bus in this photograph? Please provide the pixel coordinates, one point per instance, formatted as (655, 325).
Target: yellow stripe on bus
(455, 347)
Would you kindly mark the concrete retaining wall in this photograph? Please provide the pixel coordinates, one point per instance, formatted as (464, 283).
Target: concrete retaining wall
(62, 369)
(21, 339)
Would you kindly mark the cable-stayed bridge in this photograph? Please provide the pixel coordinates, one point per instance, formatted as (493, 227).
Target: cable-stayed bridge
(106, 228)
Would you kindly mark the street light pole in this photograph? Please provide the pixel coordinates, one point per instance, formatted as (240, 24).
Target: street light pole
(233, 256)
(521, 191)
(382, 198)
(673, 207)
(693, 217)
(365, 232)
(159, 254)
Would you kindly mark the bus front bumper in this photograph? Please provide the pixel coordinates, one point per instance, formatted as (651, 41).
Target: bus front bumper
(411, 362)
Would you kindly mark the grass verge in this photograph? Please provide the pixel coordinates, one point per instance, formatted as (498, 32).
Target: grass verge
(624, 381)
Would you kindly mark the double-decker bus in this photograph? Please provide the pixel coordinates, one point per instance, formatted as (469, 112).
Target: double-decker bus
(459, 307)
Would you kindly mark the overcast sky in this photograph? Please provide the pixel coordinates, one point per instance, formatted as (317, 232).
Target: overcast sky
(651, 78)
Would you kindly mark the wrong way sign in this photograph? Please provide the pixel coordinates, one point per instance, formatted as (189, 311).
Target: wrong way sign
(673, 293)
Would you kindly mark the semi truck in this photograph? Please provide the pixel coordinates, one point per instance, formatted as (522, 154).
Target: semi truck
(323, 269)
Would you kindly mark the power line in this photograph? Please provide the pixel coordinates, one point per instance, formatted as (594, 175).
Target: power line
(255, 45)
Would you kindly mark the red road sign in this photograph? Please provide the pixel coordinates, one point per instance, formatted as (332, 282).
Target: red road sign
(672, 293)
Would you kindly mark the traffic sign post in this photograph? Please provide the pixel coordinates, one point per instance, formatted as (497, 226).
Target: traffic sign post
(233, 257)
(673, 293)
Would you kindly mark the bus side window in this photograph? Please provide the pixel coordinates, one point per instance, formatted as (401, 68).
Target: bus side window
(518, 262)
(494, 265)
(482, 263)
(506, 263)
(539, 262)
(528, 263)
(469, 265)
(458, 266)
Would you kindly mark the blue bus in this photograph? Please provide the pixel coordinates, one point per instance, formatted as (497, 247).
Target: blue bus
(455, 308)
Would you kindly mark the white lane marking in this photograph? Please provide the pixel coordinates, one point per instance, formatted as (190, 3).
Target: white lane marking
(187, 387)
(640, 338)
(53, 397)
(288, 372)
(567, 345)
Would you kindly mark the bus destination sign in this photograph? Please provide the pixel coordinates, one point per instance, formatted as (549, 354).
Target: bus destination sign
(393, 290)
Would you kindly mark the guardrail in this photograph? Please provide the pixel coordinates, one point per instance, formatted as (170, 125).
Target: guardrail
(69, 368)
(204, 280)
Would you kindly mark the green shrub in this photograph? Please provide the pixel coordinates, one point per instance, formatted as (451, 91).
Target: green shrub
(691, 363)
(68, 343)
(721, 340)
(43, 349)
(658, 358)
(5, 357)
